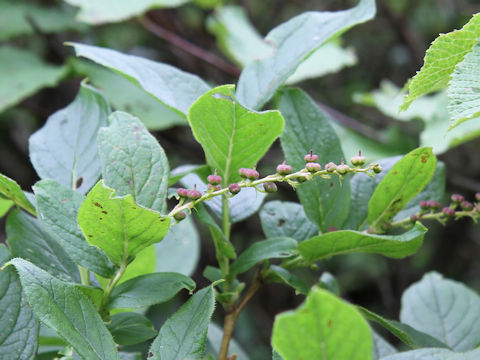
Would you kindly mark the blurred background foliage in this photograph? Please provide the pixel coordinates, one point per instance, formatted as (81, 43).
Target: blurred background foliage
(357, 79)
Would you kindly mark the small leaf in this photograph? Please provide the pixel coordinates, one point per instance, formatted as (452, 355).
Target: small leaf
(404, 181)
(232, 136)
(65, 148)
(279, 274)
(133, 162)
(318, 328)
(28, 240)
(349, 241)
(149, 289)
(58, 211)
(173, 87)
(444, 309)
(118, 226)
(275, 248)
(130, 328)
(65, 309)
(183, 335)
(11, 190)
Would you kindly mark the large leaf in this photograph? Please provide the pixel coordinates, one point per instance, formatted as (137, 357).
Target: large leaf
(28, 240)
(404, 181)
(232, 136)
(99, 12)
(326, 202)
(147, 290)
(118, 226)
(58, 211)
(12, 191)
(445, 309)
(294, 41)
(130, 328)
(183, 335)
(434, 354)
(65, 309)
(19, 327)
(441, 58)
(349, 241)
(133, 162)
(318, 330)
(23, 74)
(173, 87)
(284, 218)
(275, 248)
(65, 148)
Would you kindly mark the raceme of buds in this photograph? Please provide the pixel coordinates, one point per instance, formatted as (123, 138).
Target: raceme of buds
(270, 187)
(313, 167)
(214, 179)
(358, 160)
(309, 158)
(180, 216)
(234, 188)
(284, 169)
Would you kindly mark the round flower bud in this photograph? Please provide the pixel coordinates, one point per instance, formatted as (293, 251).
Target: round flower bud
(182, 192)
(313, 167)
(414, 218)
(214, 187)
(284, 169)
(424, 204)
(448, 212)
(358, 160)
(243, 172)
(252, 174)
(377, 169)
(194, 194)
(477, 196)
(330, 167)
(432, 204)
(457, 198)
(214, 179)
(234, 188)
(270, 187)
(467, 206)
(343, 169)
(310, 157)
(180, 216)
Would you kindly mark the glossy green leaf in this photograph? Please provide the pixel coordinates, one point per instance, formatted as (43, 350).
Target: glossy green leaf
(294, 41)
(100, 12)
(58, 211)
(5, 205)
(441, 58)
(404, 181)
(434, 354)
(281, 275)
(275, 248)
(214, 340)
(133, 162)
(23, 74)
(118, 226)
(183, 335)
(171, 86)
(410, 336)
(326, 202)
(27, 239)
(381, 347)
(179, 251)
(19, 327)
(349, 241)
(147, 290)
(232, 136)
(464, 88)
(444, 309)
(11, 190)
(284, 218)
(130, 328)
(317, 330)
(65, 309)
(65, 148)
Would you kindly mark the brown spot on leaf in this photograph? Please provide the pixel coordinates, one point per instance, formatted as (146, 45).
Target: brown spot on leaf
(105, 212)
(395, 172)
(329, 323)
(90, 235)
(98, 205)
(100, 218)
(281, 222)
(424, 159)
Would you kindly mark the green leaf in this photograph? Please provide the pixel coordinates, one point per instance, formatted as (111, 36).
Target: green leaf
(183, 335)
(174, 88)
(58, 211)
(436, 354)
(444, 309)
(284, 218)
(326, 202)
(133, 162)
(65, 148)
(11, 190)
(381, 347)
(276, 248)
(100, 12)
(328, 282)
(410, 336)
(65, 309)
(232, 136)
(349, 241)
(144, 263)
(440, 60)
(28, 240)
(118, 226)
(130, 328)
(149, 289)
(281, 275)
(179, 251)
(294, 41)
(19, 329)
(317, 330)
(464, 88)
(5, 205)
(123, 95)
(214, 337)
(23, 74)
(404, 181)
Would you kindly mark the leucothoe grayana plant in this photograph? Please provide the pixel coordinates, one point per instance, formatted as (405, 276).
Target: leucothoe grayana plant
(80, 260)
